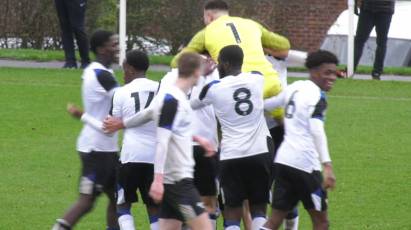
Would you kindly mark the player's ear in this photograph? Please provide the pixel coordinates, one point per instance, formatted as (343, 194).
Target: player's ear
(102, 50)
(226, 65)
(313, 74)
(205, 17)
(198, 73)
(124, 65)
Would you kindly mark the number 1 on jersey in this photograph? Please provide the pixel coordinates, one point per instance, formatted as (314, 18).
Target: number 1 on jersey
(235, 32)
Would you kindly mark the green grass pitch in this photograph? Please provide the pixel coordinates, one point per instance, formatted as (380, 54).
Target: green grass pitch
(368, 125)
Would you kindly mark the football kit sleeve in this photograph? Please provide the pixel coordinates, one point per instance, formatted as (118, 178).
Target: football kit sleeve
(106, 80)
(197, 104)
(317, 130)
(275, 102)
(163, 137)
(140, 118)
(93, 122)
(117, 105)
(320, 139)
(273, 41)
(205, 96)
(164, 131)
(196, 45)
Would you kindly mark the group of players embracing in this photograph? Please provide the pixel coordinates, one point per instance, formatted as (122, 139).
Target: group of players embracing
(208, 138)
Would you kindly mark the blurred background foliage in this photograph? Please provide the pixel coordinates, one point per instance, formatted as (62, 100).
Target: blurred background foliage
(160, 23)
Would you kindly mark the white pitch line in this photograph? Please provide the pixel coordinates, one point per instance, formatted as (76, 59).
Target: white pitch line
(371, 98)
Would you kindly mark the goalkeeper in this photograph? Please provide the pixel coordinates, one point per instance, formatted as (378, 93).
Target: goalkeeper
(222, 30)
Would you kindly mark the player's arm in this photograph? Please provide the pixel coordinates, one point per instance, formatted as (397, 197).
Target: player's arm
(141, 118)
(317, 131)
(205, 97)
(277, 45)
(116, 122)
(164, 131)
(85, 118)
(206, 145)
(196, 103)
(117, 104)
(320, 138)
(196, 45)
(157, 188)
(93, 122)
(112, 124)
(108, 83)
(275, 102)
(279, 54)
(320, 141)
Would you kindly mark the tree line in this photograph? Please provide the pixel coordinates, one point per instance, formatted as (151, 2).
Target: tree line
(34, 24)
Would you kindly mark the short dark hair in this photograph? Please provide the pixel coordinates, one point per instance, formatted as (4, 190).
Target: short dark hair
(188, 63)
(216, 5)
(320, 57)
(233, 55)
(138, 60)
(99, 39)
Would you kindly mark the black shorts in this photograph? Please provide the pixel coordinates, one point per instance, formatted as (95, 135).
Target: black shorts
(98, 173)
(181, 201)
(293, 185)
(132, 177)
(205, 172)
(277, 133)
(245, 178)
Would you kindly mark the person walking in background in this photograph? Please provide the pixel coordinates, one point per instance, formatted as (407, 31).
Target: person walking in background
(378, 14)
(71, 14)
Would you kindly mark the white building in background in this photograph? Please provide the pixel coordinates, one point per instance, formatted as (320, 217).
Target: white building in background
(399, 38)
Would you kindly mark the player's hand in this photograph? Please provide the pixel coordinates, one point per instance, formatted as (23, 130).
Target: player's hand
(157, 189)
(112, 124)
(206, 145)
(209, 66)
(329, 177)
(342, 73)
(74, 111)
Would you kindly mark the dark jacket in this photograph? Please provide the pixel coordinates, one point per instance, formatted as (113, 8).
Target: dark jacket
(378, 6)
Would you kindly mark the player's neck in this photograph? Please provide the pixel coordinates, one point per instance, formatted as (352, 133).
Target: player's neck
(139, 75)
(184, 84)
(217, 15)
(134, 77)
(233, 72)
(315, 82)
(104, 61)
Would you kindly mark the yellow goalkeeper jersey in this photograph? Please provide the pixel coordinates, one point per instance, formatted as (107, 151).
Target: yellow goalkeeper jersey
(250, 36)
